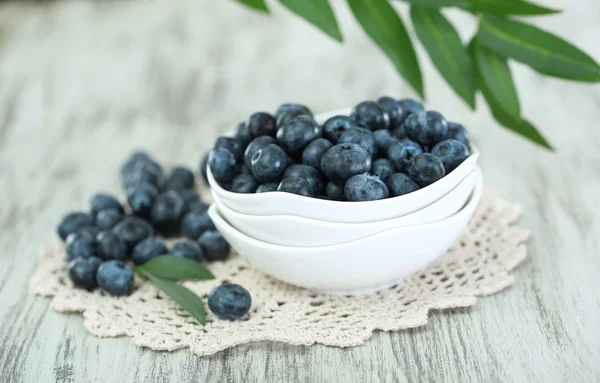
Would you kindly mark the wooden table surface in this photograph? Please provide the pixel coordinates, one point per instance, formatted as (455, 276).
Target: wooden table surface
(81, 85)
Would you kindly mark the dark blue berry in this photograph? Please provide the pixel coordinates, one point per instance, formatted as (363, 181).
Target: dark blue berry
(383, 140)
(195, 223)
(369, 115)
(189, 249)
(400, 184)
(459, 133)
(402, 153)
(80, 245)
(262, 124)
(269, 163)
(362, 137)
(229, 301)
(451, 152)
(334, 192)
(167, 212)
(223, 165)
(288, 112)
(392, 110)
(426, 128)
(426, 169)
(296, 186)
(296, 134)
(203, 167)
(383, 168)
(334, 127)
(307, 173)
(256, 144)
(180, 178)
(231, 144)
(313, 153)
(147, 249)
(110, 246)
(244, 183)
(107, 219)
(115, 277)
(268, 187)
(140, 172)
(344, 161)
(92, 230)
(101, 201)
(141, 199)
(71, 222)
(132, 230)
(134, 158)
(214, 246)
(82, 271)
(365, 187)
(191, 200)
(242, 134)
(409, 107)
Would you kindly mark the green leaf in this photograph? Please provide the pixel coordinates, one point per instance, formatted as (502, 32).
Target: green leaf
(446, 50)
(317, 12)
(383, 25)
(496, 7)
(185, 298)
(543, 51)
(175, 268)
(259, 5)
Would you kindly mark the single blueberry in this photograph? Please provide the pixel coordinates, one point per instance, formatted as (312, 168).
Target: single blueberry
(383, 168)
(361, 136)
(141, 198)
(334, 192)
(91, 230)
(203, 167)
(142, 172)
(400, 184)
(256, 144)
(365, 187)
(214, 246)
(223, 165)
(101, 201)
(132, 230)
(180, 178)
(459, 133)
(269, 163)
(262, 124)
(229, 301)
(147, 249)
(189, 249)
(71, 222)
(296, 186)
(313, 153)
(402, 153)
(167, 212)
(231, 144)
(115, 277)
(80, 245)
(134, 158)
(242, 134)
(296, 134)
(192, 200)
(287, 112)
(409, 106)
(268, 187)
(110, 246)
(195, 223)
(344, 161)
(392, 110)
(426, 128)
(426, 169)
(334, 127)
(383, 140)
(244, 183)
(307, 173)
(107, 219)
(82, 271)
(369, 115)
(451, 152)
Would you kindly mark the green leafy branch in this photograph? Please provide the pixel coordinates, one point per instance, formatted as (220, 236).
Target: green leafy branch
(482, 65)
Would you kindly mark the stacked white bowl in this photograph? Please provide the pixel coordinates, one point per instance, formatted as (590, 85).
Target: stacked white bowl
(348, 247)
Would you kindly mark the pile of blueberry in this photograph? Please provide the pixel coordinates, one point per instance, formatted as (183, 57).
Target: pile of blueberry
(383, 149)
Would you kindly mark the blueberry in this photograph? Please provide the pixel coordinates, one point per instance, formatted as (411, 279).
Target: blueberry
(383, 168)
(402, 153)
(231, 144)
(313, 153)
(334, 127)
(108, 218)
(192, 200)
(296, 186)
(307, 173)
(459, 133)
(132, 230)
(392, 110)
(223, 165)
(400, 184)
(426, 128)
(80, 245)
(214, 246)
(365, 187)
(134, 158)
(203, 166)
(82, 271)
(242, 134)
(180, 178)
(369, 115)
(256, 144)
(142, 172)
(288, 112)
(244, 183)
(195, 223)
(71, 222)
(91, 230)
(189, 249)
(269, 163)
(147, 249)
(362, 137)
(383, 140)
(167, 212)
(268, 187)
(426, 169)
(296, 134)
(110, 246)
(344, 161)
(334, 192)
(451, 152)
(115, 277)
(262, 124)
(101, 201)
(229, 301)
(409, 107)
(141, 199)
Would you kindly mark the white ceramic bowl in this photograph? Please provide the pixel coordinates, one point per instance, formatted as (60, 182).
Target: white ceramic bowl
(362, 266)
(287, 230)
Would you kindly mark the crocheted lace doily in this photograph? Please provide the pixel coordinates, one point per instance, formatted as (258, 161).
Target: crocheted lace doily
(478, 264)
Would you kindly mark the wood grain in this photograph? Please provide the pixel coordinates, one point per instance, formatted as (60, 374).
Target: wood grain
(83, 84)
